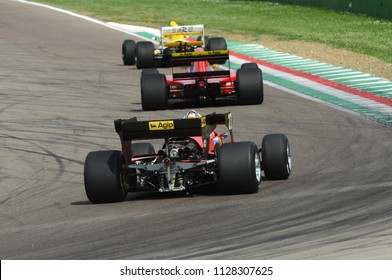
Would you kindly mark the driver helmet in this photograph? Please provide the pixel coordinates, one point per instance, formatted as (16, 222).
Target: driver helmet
(192, 114)
(173, 23)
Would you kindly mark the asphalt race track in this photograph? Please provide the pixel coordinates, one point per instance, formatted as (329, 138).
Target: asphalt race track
(62, 83)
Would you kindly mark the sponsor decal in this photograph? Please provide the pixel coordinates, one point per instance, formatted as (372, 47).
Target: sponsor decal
(203, 121)
(230, 121)
(203, 53)
(161, 125)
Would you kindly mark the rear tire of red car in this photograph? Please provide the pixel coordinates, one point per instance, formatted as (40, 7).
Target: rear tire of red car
(239, 168)
(154, 92)
(276, 157)
(102, 177)
(145, 54)
(249, 86)
(129, 52)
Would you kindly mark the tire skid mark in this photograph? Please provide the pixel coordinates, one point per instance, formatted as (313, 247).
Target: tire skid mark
(45, 153)
(67, 139)
(26, 160)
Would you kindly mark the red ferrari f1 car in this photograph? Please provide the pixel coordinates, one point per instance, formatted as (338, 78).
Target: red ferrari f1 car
(201, 81)
(193, 153)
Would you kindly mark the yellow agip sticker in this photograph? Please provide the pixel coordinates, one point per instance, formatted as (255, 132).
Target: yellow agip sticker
(203, 121)
(161, 125)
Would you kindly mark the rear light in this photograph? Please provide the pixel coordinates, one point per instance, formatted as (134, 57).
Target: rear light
(202, 84)
(166, 161)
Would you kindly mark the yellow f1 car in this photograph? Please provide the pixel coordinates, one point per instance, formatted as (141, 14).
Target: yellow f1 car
(174, 39)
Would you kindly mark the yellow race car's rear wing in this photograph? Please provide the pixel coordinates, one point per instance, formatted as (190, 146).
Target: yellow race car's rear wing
(184, 44)
(173, 36)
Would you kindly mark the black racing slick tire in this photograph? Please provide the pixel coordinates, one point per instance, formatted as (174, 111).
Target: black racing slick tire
(149, 71)
(129, 52)
(216, 44)
(154, 92)
(239, 168)
(145, 54)
(249, 85)
(249, 65)
(276, 157)
(102, 177)
(205, 41)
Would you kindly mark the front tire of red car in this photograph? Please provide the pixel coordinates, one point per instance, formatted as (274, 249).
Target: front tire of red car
(276, 157)
(249, 85)
(239, 168)
(217, 44)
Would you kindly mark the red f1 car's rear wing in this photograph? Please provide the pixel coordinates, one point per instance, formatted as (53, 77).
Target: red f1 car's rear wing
(213, 57)
(182, 58)
(132, 129)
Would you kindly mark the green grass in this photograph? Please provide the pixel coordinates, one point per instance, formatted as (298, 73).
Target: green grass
(361, 34)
